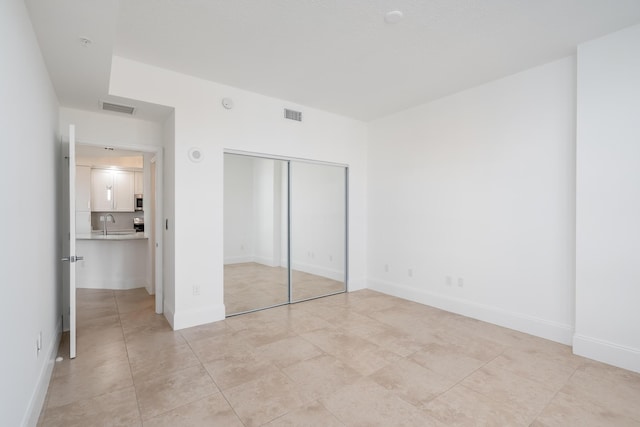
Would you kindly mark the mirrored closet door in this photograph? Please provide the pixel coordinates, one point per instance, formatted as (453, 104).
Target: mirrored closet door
(256, 273)
(280, 213)
(318, 230)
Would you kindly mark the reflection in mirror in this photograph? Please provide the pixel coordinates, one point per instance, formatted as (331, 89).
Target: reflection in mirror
(318, 230)
(255, 233)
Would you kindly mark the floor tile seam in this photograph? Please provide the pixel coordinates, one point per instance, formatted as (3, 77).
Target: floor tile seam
(90, 397)
(500, 403)
(329, 411)
(589, 399)
(133, 380)
(549, 401)
(459, 382)
(160, 414)
(202, 362)
(224, 396)
(202, 365)
(517, 374)
(325, 406)
(314, 345)
(319, 400)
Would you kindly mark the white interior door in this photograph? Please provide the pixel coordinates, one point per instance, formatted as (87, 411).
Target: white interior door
(72, 257)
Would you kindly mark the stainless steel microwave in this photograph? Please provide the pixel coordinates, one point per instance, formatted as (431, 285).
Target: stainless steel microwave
(138, 202)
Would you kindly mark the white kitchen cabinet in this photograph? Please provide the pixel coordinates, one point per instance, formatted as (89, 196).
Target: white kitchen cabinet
(112, 190)
(83, 222)
(123, 200)
(83, 189)
(138, 187)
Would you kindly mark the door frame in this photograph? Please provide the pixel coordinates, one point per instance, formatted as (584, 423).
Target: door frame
(157, 156)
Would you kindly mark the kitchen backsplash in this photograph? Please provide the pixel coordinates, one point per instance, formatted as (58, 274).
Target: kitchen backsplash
(124, 220)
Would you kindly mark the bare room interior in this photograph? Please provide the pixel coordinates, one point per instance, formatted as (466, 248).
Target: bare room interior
(321, 213)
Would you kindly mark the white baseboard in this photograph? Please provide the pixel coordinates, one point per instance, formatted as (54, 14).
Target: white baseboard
(543, 328)
(320, 271)
(356, 285)
(197, 316)
(40, 393)
(120, 285)
(266, 261)
(607, 352)
(238, 260)
(257, 259)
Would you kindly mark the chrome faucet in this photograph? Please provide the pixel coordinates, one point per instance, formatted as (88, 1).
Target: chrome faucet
(104, 221)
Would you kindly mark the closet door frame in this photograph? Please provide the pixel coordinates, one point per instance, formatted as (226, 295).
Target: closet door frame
(345, 167)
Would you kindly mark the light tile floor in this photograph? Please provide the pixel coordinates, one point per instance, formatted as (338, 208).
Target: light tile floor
(358, 359)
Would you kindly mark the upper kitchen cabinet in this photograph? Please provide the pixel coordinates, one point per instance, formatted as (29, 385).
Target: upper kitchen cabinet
(112, 190)
(138, 187)
(83, 189)
(83, 199)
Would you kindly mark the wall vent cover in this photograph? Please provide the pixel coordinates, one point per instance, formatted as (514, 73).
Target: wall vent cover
(125, 109)
(292, 115)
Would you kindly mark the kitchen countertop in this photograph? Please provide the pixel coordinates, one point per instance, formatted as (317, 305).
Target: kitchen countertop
(115, 235)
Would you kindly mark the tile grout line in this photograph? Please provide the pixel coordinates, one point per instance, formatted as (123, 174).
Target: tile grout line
(126, 349)
(214, 381)
(556, 393)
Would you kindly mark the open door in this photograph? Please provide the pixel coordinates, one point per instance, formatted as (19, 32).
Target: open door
(72, 257)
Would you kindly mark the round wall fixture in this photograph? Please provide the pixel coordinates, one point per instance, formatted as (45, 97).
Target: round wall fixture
(195, 154)
(393, 17)
(227, 103)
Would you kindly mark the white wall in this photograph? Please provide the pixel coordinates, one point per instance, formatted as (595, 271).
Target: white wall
(478, 187)
(238, 209)
(255, 214)
(608, 200)
(318, 219)
(110, 128)
(255, 124)
(266, 209)
(30, 261)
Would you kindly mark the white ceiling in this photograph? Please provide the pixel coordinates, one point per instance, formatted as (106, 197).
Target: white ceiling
(335, 55)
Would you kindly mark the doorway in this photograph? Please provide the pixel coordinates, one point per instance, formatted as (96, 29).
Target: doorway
(285, 231)
(90, 156)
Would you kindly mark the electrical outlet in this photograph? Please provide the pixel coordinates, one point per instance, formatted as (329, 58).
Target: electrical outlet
(196, 290)
(410, 272)
(386, 268)
(460, 282)
(448, 281)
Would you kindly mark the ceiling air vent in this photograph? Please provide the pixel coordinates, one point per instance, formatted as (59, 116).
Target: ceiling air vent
(125, 109)
(292, 115)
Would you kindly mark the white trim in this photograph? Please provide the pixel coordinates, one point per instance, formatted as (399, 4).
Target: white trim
(319, 271)
(159, 232)
(168, 314)
(543, 328)
(107, 283)
(36, 403)
(238, 259)
(356, 285)
(607, 352)
(159, 211)
(284, 158)
(198, 316)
